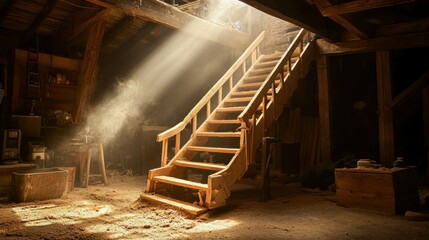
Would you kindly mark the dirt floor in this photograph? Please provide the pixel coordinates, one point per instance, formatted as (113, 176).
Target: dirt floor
(112, 212)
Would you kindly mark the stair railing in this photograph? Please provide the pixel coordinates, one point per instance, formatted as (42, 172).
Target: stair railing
(226, 82)
(272, 108)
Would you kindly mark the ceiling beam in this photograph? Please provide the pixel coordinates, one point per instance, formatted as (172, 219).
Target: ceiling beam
(420, 25)
(44, 13)
(119, 27)
(359, 5)
(413, 40)
(300, 13)
(361, 29)
(169, 16)
(78, 24)
(4, 12)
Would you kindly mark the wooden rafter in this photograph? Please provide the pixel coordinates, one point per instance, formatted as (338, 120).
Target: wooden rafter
(359, 5)
(299, 13)
(359, 28)
(413, 88)
(44, 13)
(81, 22)
(420, 25)
(413, 40)
(4, 12)
(123, 24)
(167, 15)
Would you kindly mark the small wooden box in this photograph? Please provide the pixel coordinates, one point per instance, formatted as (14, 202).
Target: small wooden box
(388, 190)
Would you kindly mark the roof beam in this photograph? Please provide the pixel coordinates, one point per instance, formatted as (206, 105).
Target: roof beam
(300, 13)
(420, 25)
(413, 40)
(361, 30)
(359, 5)
(119, 27)
(81, 22)
(170, 16)
(44, 13)
(6, 9)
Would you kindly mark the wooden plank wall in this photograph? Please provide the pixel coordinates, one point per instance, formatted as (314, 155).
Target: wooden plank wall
(426, 125)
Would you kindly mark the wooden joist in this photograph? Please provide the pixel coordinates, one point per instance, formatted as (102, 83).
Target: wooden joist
(172, 17)
(4, 12)
(119, 27)
(412, 40)
(359, 5)
(44, 13)
(359, 28)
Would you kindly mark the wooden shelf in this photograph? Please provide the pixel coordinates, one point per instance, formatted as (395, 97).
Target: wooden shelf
(61, 85)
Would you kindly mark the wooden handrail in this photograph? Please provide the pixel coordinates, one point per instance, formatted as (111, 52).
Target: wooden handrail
(180, 126)
(278, 69)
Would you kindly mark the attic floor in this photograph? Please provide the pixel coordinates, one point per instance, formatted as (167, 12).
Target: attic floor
(112, 212)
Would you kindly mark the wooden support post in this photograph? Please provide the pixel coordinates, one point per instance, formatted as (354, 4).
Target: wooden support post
(89, 69)
(219, 96)
(426, 124)
(208, 108)
(324, 109)
(164, 152)
(385, 118)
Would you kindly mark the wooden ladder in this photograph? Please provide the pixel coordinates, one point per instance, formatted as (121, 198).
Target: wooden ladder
(202, 172)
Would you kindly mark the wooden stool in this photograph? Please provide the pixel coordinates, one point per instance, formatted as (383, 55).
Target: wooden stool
(100, 159)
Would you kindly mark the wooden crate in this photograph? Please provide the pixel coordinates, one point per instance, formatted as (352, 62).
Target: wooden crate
(388, 190)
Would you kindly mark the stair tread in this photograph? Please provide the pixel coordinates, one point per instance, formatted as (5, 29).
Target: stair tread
(188, 207)
(224, 121)
(181, 182)
(218, 134)
(212, 149)
(233, 109)
(200, 165)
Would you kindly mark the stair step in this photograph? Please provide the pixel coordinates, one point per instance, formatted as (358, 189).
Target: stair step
(212, 149)
(246, 93)
(251, 79)
(271, 57)
(218, 134)
(224, 121)
(230, 109)
(200, 165)
(188, 207)
(250, 85)
(181, 182)
(268, 64)
(238, 100)
(260, 71)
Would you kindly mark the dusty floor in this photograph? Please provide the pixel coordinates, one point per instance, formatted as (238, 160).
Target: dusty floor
(111, 212)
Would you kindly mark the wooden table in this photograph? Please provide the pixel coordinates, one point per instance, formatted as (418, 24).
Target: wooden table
(388, 190)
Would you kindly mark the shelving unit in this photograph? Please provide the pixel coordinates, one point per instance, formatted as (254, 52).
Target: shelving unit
(58, 84)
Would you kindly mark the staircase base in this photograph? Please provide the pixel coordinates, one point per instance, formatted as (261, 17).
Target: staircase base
(188, 207)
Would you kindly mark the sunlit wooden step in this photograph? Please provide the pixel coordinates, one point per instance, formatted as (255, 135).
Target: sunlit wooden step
(251, 79)
(180, 182)
(268, 64)
(218, 134)
(246, 93)
(212, 149)
(224, 121)
(271, 57)
(200, 165)
(238, 100)
(188, 207)
(260, 71)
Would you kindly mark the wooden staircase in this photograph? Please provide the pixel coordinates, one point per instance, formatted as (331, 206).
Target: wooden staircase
(228, 125)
